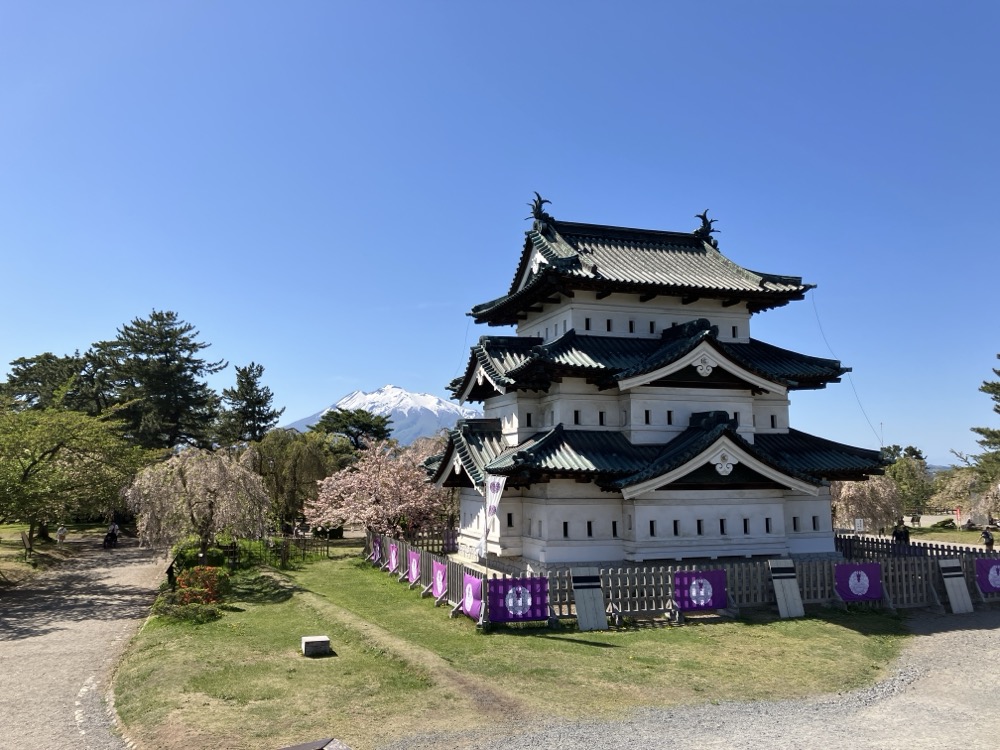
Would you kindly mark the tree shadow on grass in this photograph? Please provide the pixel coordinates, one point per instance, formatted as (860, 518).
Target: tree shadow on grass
(261, 588)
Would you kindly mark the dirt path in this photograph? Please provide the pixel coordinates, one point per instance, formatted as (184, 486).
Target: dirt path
(60, 636)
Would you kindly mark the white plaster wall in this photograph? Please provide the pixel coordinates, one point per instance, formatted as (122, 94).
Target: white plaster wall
(663, 312)
(767, 405)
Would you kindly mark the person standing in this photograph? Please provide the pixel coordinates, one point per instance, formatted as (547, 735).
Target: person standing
(987, 537)
(61, 533)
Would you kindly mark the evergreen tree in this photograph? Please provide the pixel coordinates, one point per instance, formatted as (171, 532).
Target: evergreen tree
(361, 427)
(247, 415)
(153, 370)
(988, 462)
(35, 382)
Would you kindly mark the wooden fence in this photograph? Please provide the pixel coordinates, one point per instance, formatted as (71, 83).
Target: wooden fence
(910, 578)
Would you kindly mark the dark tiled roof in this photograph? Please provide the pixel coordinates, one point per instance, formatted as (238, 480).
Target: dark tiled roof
(619, 259)
(525, 362)
(609, 459)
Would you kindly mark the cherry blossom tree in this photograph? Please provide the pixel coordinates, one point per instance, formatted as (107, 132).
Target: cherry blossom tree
(201, 493)
(876, 500)
(386, 491)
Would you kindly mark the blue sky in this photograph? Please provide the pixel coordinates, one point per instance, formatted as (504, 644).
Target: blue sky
(326, 188)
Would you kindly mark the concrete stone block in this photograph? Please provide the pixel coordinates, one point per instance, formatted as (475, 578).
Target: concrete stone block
(315, 645)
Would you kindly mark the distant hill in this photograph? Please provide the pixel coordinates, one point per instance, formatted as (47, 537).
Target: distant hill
(413, 415)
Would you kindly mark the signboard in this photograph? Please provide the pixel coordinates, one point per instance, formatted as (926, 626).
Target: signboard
(700, 589)
(413, 569)
(439, 585)
(393, 558)
(472, 596)
(858, 582)
(376, 550)
(518, 599)
(859, 526)
(988, 574)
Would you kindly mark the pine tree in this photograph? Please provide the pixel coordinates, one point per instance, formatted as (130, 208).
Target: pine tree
(361, 427)
(988, 462)
(247, 415)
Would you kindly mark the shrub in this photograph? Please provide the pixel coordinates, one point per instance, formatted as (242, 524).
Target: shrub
(202, 585)
(192, 613)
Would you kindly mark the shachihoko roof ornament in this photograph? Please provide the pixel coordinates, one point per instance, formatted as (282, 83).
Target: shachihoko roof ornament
(538, 213)
(706, 229)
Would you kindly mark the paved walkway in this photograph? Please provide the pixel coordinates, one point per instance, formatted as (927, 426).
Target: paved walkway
(60, 636)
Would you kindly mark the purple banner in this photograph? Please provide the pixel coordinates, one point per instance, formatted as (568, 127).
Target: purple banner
(700, 589)
(376, 550)
(988, 574)
(518, 599)
(858, 582)
(413, 569)
(393, 557)
(472, 598)
(439, 586)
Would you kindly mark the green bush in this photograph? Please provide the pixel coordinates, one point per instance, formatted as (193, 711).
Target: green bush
(196, 614)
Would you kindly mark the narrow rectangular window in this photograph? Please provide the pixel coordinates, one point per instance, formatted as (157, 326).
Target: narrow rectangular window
(529, 527)
(629, 521)
(565, 528)
(767, 525)
(652, 326)
(815, 523)
(670, 417)
(609, 324)
(652, 528)
(746, 525)
(510, 520)
(564, 326)
(647, 416)
(539, 528)
(701, 527)
(546, 333)
(527, 419)
(614, 529)
(736, 418)
(631, 326)
(795, 523)
(590, 528)
(774, 422)
(677, 527)
(576, 416)
(600, 418)
(586, 324)
(736, 332)
(722, 526)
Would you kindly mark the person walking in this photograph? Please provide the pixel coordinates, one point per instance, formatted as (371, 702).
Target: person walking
(987, 537)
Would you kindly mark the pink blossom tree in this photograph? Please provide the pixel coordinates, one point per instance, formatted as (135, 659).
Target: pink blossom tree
(877, 500)
(386, 491)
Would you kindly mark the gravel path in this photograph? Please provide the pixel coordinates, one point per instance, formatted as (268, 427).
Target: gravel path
(60, 637)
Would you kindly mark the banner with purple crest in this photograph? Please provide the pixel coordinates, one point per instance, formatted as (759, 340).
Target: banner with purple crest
(413, 569)
(700, 589)
(988, 574)
(439, 586)
(518, 599)
(858, 582)
(376, 555)
(494, 490)
(393, 557)
(472, 596)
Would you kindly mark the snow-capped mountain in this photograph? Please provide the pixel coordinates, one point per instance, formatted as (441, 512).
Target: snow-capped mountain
(413, 415)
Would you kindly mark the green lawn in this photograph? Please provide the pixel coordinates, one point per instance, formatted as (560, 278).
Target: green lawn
(404, 667)
(16, 568)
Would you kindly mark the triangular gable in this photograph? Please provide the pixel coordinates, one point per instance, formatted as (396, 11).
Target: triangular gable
(723, 454)
(704, 358)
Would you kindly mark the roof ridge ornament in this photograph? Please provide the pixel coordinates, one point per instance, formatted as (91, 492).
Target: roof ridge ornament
(705, 231)
(538, 213)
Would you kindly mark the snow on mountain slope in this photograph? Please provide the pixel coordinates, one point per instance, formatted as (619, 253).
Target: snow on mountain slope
(413, 415)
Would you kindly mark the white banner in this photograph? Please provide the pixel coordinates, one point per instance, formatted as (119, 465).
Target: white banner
(494, 489)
